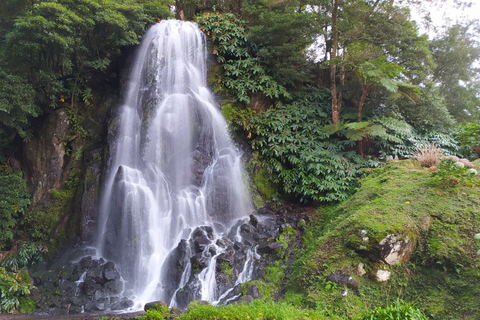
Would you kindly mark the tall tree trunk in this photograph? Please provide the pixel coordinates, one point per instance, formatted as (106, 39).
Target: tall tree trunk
(362, 142)
(333, 66)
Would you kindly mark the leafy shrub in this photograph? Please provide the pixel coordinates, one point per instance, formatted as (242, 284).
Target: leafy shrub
(452, 173)
(308, 161)
(469, 137)
(28, 253)
(403, 140)
(428, 155)
(14, 286)
(256, 310)
(399, 311)
(14, 200)
(243, 72)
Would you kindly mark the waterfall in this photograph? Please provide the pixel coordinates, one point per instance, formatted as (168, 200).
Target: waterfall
(172, 168)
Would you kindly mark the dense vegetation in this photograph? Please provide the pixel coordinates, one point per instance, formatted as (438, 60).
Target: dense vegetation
(321, 91)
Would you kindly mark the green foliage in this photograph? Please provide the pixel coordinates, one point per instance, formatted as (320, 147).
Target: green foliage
(456, 52)
(55, 51)
(159, 312)
(291, 29)
(469, 138)
(308, 161)
(451, 174)
(14, 286)
(17, 105)
(401, 310)
(397, 137)
(28, 254)
(256, 310)
(243, 73)
(14, 201)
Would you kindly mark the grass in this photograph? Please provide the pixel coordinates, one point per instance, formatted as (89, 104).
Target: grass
(399, 199)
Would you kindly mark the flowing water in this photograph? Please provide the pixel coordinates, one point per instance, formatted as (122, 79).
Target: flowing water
(172, 167)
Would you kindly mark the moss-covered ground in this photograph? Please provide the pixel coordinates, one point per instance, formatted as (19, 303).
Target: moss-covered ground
(443, 275)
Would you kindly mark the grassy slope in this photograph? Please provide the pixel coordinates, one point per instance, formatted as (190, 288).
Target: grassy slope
(443, 274)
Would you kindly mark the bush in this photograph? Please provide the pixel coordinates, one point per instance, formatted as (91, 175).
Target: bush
(469, 137)
(28, 254)
(399, 311)
(243, 72)
(306, 159)
(452, 173)
(428, 155)
(14, 200)
(14, 287)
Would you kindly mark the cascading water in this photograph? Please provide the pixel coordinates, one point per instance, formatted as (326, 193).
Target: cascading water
(173, 175)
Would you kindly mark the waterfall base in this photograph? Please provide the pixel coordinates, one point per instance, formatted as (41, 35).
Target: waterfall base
(80, 281)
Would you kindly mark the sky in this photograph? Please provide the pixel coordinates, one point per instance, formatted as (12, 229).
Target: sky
(443, 15)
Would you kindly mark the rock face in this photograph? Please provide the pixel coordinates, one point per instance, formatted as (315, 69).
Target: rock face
(393, 250)
(74, 285)
(46, 157)
(90, 192)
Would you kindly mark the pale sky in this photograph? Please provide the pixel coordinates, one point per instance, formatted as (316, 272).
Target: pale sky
(443, 14)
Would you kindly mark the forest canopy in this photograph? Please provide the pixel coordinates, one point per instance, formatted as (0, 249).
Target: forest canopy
(384, 88)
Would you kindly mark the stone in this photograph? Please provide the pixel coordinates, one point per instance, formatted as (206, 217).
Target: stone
(110, 273)
(360, 269)
(270, 248)
(393, 250)
(45, 157)
(253, 221)
(383, 275)
(340, 278)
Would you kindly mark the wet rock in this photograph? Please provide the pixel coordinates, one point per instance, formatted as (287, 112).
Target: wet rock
(122, 304)
(201, 243)
(253, 292)
(110, 273)
(199, 261)
(343, 279)
(173, 267)
(96, 275)
(247, 299)
(227, 257)
(253, 221)
(270, 248)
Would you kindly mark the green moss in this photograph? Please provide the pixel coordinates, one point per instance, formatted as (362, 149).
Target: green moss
(226, 269)
(399, 199)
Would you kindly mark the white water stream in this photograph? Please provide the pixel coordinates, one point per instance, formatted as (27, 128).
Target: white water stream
(172, 165)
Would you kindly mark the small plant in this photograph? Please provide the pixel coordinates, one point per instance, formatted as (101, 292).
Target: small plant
(469, 137)
(400, 311)
(14, 287)
(428, 155)
(28, 254)
(452, 173)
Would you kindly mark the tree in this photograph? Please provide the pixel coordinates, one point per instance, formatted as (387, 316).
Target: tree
(457, 73)
(50, 50)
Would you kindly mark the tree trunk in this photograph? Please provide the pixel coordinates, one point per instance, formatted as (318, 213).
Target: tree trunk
(333, 67)
(362, 102)
(361, 143)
